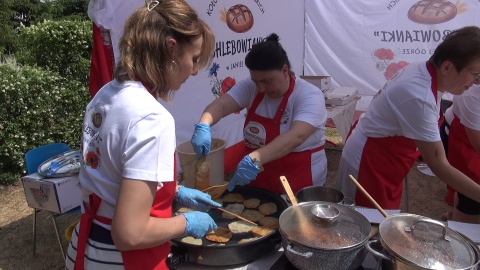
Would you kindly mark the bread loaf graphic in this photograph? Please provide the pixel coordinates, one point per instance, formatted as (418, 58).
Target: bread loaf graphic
(239, 18)
(432, 11)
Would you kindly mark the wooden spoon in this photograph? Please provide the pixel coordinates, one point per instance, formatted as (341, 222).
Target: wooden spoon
(372, 200)
(237, 216)
(216, 191)
(288, 189)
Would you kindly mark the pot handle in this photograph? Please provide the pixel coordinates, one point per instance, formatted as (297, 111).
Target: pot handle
(306, 254)
(376, 253)
(428, 220)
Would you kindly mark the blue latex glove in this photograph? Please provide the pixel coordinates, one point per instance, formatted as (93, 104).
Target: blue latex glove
(198, 224)
(195, 199)
(201, 139)
(246, 173)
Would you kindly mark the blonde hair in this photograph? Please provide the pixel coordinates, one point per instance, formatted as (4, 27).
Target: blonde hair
(144, 54)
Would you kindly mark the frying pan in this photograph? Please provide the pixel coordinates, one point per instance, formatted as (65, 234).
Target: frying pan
(234, 253)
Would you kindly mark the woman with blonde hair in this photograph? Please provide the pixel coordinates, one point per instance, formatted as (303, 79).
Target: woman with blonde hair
(128, 144)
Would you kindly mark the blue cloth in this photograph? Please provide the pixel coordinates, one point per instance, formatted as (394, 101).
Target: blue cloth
(246, 173)
(201, 140)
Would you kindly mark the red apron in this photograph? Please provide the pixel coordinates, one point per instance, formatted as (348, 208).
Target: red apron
(296, 166)
(150, 258)
(384, 164)
(461, 153)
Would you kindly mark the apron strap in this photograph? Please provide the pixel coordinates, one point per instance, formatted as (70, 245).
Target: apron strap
(85, 225)
(283, 104)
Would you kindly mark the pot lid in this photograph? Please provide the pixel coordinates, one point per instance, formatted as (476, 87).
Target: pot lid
(64, 164)
(425, 242)
(299, 223)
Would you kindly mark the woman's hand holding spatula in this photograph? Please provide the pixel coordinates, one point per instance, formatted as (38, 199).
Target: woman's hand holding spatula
(195, 199)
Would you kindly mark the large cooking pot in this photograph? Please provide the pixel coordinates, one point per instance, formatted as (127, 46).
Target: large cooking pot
(410, 241)
(233, 252)
(319, 193)
(311, 242)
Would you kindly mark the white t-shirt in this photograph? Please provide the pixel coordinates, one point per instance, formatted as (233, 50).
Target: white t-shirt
(405, 106)
(306, 103)
(466, 108)
(131, 135)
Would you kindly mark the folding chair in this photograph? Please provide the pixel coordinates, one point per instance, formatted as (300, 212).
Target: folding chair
(33, 158)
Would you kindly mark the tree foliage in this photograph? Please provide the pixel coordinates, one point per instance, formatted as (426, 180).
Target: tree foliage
(62, 46)
(43, 107)
(45, 48)
(14, 13)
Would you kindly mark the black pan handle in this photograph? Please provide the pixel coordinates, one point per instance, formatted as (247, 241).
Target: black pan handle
(176, 257)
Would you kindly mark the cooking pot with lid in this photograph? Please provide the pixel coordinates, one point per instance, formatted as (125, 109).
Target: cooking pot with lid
(415, 242)
(312, 241)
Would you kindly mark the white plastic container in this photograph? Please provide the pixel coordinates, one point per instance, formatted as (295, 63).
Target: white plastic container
(188, 159)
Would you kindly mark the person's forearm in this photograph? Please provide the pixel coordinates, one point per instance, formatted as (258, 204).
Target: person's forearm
(207, 118)
(212, 113)
(460, 182)
(278, 148)
(218, 109)
(156, 232)
(434, 155)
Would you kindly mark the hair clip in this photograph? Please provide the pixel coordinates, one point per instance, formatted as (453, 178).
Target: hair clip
(152, 5)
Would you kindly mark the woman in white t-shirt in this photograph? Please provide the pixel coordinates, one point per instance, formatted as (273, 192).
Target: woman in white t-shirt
(402, 122)
(284, 130)
(462, 124)
(128, 146)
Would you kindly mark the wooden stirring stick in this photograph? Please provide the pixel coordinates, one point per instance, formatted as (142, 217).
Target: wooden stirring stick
(237, 216)
(372, 200)
(288, 189)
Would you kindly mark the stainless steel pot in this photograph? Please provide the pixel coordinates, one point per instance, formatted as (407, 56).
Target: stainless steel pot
(319, 193)
(311, 242)
(415, 242)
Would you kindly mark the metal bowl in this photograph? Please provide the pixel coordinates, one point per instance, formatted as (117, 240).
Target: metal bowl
(325, 211)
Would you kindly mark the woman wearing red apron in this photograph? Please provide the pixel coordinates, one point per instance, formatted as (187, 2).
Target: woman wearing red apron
(284, 131)
(128, 146)
(402, 122)
(463, 128)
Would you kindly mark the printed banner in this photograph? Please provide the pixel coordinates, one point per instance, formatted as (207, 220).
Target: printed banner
(363, 43)
(237, 25)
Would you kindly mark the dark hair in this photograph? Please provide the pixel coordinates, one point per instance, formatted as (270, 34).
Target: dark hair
(144, 53)
(267, 55)
(461, 47)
